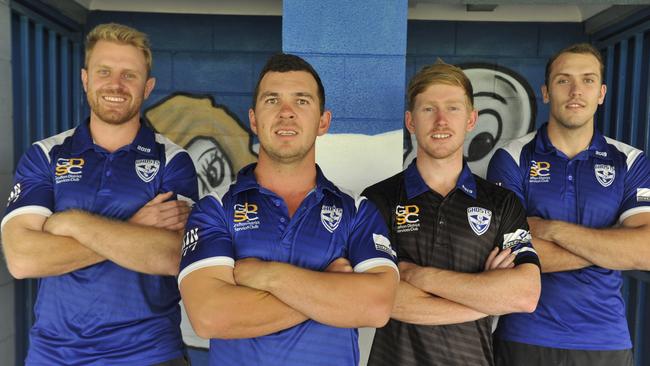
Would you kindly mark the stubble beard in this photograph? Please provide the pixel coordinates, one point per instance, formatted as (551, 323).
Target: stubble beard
(114, 116)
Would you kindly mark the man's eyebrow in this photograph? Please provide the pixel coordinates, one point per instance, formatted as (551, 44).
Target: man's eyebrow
(304, 95)
(268, 94)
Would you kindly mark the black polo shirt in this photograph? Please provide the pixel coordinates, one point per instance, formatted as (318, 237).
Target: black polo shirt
(456, 232)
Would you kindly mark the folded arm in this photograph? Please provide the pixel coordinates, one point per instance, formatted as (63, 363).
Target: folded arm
(554, 258)
(346, 300)
(32, 253)
(218, 308)
(415, 306)
(621, 248)
(494, 292)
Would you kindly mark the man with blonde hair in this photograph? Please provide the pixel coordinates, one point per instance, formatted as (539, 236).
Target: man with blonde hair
(94, 215)
(463, 246)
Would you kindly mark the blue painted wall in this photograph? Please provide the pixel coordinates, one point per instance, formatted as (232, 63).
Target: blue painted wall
(217, 55)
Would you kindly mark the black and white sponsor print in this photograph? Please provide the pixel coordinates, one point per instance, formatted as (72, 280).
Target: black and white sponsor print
(14, 195)
(643, 194)
(479, 219)
(382, 244)
(331, 216)
(605, 174)
(147, 169)
(190, 240)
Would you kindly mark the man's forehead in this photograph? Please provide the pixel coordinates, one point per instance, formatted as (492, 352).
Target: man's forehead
(444, 91)
(575, 63)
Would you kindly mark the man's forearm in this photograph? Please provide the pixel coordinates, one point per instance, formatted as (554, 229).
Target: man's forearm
(347, 300)
(31, 253)
(219, 309)
(554, 258)
(139, 248)
(494, 292)
(621, 248)
(415, 306)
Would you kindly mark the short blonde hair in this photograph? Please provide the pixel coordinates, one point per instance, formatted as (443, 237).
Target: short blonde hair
(119, 33)
(439, 73)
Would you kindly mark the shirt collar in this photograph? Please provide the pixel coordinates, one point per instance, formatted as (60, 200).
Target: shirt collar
(144, 142)
(543, 145)
(246, 180)
(415, 185)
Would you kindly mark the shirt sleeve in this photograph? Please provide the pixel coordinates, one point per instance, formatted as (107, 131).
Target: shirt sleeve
(636, 194)
(33, 191)
(368, 243)
(514, 232)
(207, 241)
(504, 171)
(180, 177)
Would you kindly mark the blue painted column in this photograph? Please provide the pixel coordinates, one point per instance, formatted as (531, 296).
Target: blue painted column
(359, 50)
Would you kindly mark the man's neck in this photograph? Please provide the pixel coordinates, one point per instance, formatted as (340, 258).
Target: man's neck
(291, 181)
(570, 141)
(441, 175)
(111, 136)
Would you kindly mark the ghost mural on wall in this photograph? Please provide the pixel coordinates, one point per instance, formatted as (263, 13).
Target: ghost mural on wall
(507, 110)
(218, 143)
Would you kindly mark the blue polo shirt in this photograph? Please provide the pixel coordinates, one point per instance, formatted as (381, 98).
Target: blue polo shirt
(598, 188)
(103, 314)
(254, 222)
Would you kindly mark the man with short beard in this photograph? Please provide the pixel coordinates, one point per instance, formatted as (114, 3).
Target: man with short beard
(587, 199)
(284, 268)
(94, 215)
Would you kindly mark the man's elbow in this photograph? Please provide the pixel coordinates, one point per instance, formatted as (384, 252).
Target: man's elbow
(211, 325)
(528, 299)
(379, 313)
(21, 270)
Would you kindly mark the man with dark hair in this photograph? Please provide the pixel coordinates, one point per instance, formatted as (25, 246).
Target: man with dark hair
(463, 244)
(94, 215)
(588, 201)
(286, 266)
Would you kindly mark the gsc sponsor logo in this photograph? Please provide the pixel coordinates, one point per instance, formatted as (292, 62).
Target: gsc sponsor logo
(407, 218)
(15, 193)
(190, 240)
(68, 170)
(245, 217)
(540, 171)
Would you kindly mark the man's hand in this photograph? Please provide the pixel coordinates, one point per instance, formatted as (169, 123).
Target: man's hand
(56, 224)
(500, 260)
(251, 272)
(407, 270)
(541, 228)
(340, 265)
(170, 215)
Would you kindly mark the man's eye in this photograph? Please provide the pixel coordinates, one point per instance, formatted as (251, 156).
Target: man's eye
(271, 101)
(102, 72)
(129, 76)
(562, 81)
(589, 81)
(302, 101)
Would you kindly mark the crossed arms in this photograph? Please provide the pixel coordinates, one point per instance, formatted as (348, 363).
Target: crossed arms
(564, 246)
(432, 296)
(257, 298)
(39, 246)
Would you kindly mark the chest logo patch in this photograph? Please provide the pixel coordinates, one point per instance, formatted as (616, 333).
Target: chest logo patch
(147, 169)
(15, 193)
(540, 172)
(605, 174)
(246, 217)
(479, 219)
(331, 216)
(68, 170)
(407, 218)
